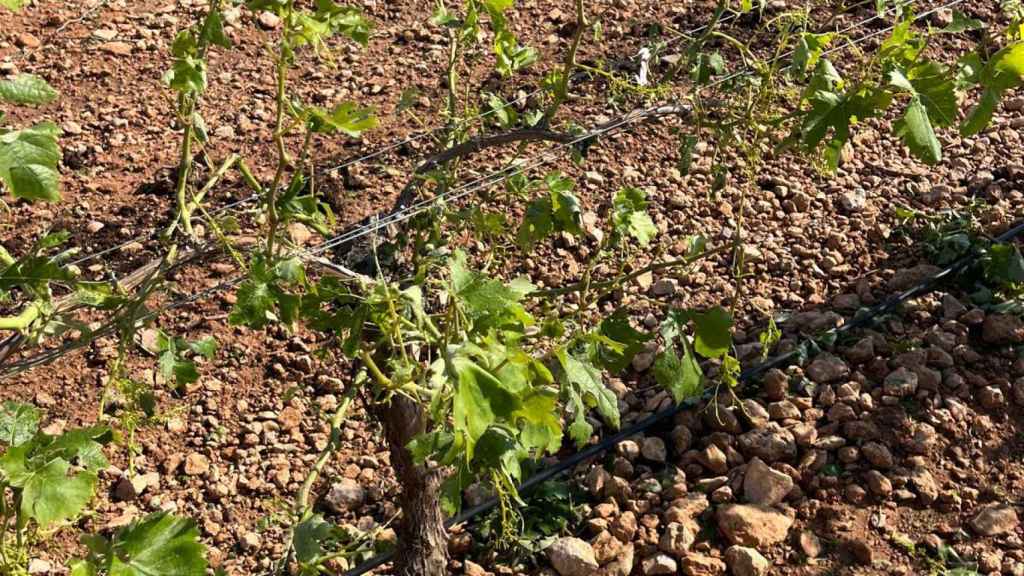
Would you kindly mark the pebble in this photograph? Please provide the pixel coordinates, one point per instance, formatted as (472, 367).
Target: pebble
(995, 519)
(344, 495)
(744, 561)
(196, 464)
(572, 557)
(753, 525)
(28, 41)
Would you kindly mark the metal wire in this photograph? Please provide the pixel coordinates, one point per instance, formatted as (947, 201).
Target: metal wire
(406, 213)
(377, 153)
(409, 212)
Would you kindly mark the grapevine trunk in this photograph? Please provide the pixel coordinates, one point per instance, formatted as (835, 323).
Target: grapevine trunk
(422, 540)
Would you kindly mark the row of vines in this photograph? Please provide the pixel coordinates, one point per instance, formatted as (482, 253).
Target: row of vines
(473, 378)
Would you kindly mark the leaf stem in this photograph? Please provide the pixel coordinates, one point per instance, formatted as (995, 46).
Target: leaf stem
(375, 370)
(562, 89)
(303, 508)
(622, 279)
(22, 320)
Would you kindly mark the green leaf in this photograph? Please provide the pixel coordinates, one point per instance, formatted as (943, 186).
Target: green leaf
(207, 347)
(541, 428)
(480, 400)
(488, 302)
(348, 118)
(27, 89)
(49, 494)
(809, 49)
(172, 367)
(961, 23)
(918, 134)
(713, 332)
(707, 67)
(18, 423)
(500, 110)
(28, 162)
(682, 377)
(615, 343)
(81, 567)
(310, 537)
(584, 377)
(981, 113)
(99, 295)
(832, 114)
(933, 98)
(687, 146)
(14, 5)
(1004, 71)
(254, 306)
(81, 447)
(1004, 264)
(630, 215)
(213, 30)
(158, 545)
(498, 6)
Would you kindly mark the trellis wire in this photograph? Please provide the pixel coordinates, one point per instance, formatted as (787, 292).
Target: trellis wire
(406, 213)
(745, 378)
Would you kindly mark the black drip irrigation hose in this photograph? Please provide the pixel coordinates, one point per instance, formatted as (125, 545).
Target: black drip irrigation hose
(860, 321)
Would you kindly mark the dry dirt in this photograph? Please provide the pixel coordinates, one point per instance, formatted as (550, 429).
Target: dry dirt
(232, 450)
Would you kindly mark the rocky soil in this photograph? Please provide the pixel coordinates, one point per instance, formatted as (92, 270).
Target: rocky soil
(877, 456)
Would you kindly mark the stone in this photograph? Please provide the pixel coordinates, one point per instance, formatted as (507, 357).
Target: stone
(900, 383)
(196, 464)
(678, 538)
(572, 557)
(28, 41)
(776, 383)
(39, 566)
(117, 48)
(269, 20)
(810, 544)
(784, 410)
(878, 455)
(682, 438)
(606, 547)
(753, 525)
(642, 361)
(991, 397)
(925, 485)
(907, 278)
(995, 519)
(744, 561)
(344, 495)
(299, 233)
(764, 485)
(878, 483)
(685, 510)
(290, 418)
(771, 443)
(621, 565)
(663, 287)
(713, 458)
(861, 352)
(853, 201)
(1002, 329)
(653, 449)
(951, 307)
(625, 526)
(658, 564)
(861, 551)
(250, 541)
(701, 565)
(827, 368)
